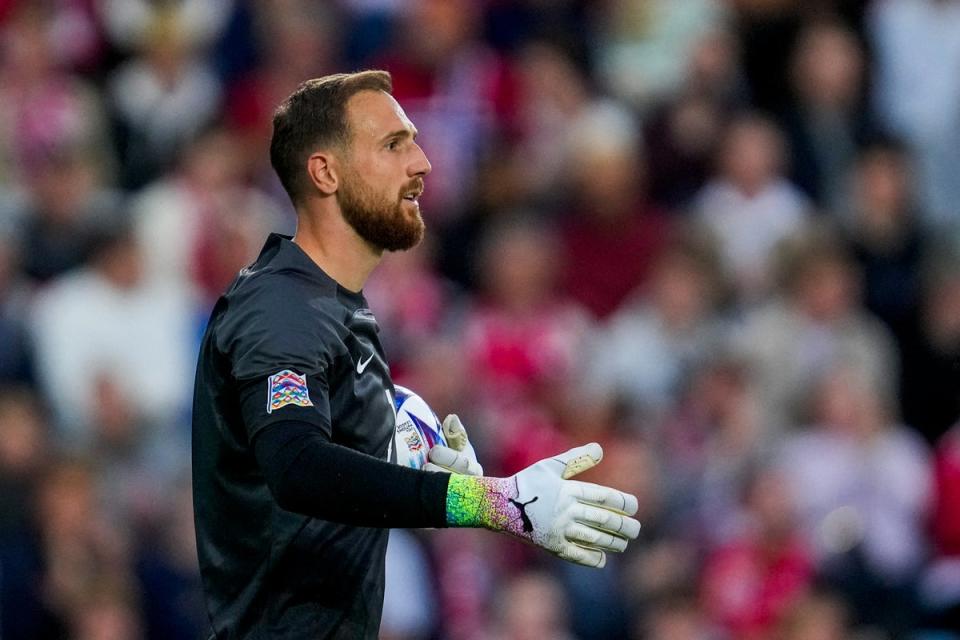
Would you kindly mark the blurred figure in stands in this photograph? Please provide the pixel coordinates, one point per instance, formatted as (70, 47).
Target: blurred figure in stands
(885, 234)
(162, 97)
(751, 582)
(16, 354)
(816, 322)
(863, 485)
(531, 606)
(916, 92)
(200, 225)
(645, 45)
(825, 123)
(610, 221)
(750, 206)
(114, 348)
(930, 387)
(522, 340)
(941, 586)
(647, 350)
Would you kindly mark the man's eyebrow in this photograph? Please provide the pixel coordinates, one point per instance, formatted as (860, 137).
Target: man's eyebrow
(402, 133)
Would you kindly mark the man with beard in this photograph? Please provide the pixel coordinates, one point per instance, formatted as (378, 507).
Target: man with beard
(293, 415)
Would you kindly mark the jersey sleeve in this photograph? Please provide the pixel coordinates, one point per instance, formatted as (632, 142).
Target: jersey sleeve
(280, 352)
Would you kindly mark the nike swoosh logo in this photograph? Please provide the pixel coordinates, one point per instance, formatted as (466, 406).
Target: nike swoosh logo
(363, 364)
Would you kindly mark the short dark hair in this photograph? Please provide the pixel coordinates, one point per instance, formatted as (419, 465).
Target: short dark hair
(315, 116)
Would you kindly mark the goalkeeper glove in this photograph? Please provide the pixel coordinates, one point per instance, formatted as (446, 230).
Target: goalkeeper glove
(459, 456)
(576, 521)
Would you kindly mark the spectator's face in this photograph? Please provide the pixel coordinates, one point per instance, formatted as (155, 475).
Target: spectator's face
(21, 438)
(520, 269)
(882, 188)
(681, 291)
(827, 290)
(828, 68)
(752, 155)
(382, 173)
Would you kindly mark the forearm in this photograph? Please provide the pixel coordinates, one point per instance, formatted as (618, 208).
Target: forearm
(308, 474)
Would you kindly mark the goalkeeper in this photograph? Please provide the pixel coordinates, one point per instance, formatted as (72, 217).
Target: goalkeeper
(294, 490)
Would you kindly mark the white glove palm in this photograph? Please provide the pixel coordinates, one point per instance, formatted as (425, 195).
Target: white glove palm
(459, 456)
(577, 521)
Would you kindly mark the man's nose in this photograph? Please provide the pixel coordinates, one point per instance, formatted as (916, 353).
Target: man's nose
(420, 166)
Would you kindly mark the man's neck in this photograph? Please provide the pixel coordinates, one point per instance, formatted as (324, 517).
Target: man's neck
(336, 247)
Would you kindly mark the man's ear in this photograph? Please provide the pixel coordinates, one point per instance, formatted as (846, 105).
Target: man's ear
(323, 172)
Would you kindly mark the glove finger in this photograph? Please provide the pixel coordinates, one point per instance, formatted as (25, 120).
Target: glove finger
(577, 460)
(607, 497)
(435, 468)
(594, 538)
(448, 458)
(454, 461)
(580, 555)
(454, 432)
(606, 520)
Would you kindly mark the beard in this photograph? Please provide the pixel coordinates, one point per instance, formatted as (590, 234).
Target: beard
(380, 220)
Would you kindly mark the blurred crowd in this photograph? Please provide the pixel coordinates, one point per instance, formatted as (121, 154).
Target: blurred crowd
(719, 237)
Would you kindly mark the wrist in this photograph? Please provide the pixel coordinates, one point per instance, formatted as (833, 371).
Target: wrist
(480, 502)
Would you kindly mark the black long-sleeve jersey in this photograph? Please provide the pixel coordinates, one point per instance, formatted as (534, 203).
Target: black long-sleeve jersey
(292, 423)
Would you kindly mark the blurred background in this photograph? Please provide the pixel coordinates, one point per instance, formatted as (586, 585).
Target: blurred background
(720, 237)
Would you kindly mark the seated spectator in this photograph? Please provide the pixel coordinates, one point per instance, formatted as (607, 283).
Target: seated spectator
(522, 341)
(611, 233)
(863, 485)
(750, 583)
(930, 387)
(940, 590)
(826, 123)
(162, 98)
(108, 324)
(647, 350)
(531, 606)
(199, 225)
(885, 234)
(749, 205)
(816, 322)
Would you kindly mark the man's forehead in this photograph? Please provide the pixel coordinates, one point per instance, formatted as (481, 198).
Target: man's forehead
(376, 113)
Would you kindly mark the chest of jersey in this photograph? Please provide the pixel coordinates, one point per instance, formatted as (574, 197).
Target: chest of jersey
(361, 400)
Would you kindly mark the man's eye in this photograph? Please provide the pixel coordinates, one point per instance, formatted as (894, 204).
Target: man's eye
(392, 145)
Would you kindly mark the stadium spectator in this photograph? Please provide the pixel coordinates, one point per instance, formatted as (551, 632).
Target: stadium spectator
(647, 350)
(749, 206)
(16, 357)
(751, 582)
(886, 236)
(200, 225)
(863, 485)
(531, 606)
(714, 437)
(522, 340)
(610, 220)
(818, 321)
(941, 584)
(930, 387)
(161, 98)
(825, 123)
(137, 345)
(645, 46)
(917, 92)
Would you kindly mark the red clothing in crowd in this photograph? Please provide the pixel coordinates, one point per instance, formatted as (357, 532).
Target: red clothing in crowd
(604, 263)
(747, 587)
(946, 511)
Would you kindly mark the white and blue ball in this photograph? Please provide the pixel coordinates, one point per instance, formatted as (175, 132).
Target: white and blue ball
(418, 429)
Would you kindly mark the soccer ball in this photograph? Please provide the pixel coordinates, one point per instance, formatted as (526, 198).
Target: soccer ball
(418, 429)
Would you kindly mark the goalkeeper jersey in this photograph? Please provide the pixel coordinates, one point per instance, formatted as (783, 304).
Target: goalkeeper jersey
(286, 343)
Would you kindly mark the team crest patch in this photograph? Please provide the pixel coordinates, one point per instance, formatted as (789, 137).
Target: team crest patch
(287, 387)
